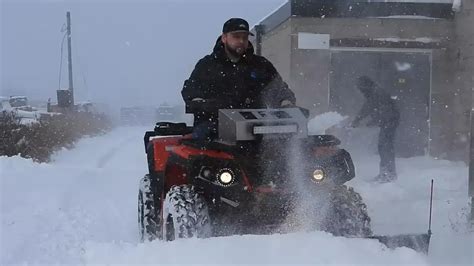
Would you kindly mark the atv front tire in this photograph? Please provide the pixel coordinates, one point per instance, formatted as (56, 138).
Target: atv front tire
(149, 212)
(185, 214)
(347, 214)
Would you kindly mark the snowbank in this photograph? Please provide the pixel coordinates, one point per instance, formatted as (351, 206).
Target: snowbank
(291, 249)
(81, 209)
(403, 206)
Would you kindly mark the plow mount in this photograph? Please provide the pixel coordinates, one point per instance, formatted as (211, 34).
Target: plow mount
(418, 242)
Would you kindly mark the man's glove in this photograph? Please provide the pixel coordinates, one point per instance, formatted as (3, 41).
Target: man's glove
(197, 105)
(286, 104)
(355, 123)
(373, 123)
(208, 105)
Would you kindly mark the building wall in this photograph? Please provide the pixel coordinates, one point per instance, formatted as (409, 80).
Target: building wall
(375, 27)
(463, 51)
(310, 77)
(307, 70)
(276, 46)
(452, 90)
(463, 97)
(465, 35)
(310, 69)
(441, 102)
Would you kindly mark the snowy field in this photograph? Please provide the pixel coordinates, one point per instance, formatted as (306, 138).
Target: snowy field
(81, 209)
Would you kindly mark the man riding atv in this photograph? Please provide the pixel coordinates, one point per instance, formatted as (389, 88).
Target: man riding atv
(248, 165)
(235, 77)
(249, 155)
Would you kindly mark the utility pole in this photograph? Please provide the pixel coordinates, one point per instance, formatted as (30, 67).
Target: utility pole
(69, 61)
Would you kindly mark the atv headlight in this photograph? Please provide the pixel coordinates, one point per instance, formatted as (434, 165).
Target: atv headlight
(318, 175)
(225, 176)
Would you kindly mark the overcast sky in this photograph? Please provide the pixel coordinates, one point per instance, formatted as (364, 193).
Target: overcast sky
(126, 52)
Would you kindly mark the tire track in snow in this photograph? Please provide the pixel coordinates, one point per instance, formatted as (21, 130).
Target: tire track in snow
(104, 159)
(87, 194)
(109, 196)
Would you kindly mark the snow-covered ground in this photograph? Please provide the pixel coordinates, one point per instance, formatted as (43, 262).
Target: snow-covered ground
(403, 206)
(81, 209)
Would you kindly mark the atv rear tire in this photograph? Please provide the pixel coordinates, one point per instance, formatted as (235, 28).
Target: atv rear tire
(347, 214)
(185, 214)
(149, 212)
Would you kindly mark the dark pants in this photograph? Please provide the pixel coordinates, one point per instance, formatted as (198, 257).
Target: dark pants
(206, 130)
(386, 149)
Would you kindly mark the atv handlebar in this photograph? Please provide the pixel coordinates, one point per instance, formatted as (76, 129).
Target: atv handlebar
(206, 105)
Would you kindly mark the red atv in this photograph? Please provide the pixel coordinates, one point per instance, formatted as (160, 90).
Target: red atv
(263, 174)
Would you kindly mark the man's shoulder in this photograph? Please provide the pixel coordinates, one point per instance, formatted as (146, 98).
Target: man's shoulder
(206, 61)
(261, 59)
(206, 58)
(264, 64)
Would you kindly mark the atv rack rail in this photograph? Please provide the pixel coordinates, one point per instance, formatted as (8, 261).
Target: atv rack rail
(167, 129)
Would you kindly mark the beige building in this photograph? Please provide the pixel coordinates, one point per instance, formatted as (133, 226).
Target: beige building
(421, 52)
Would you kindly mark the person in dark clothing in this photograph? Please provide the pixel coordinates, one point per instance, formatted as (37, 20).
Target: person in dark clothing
(232, 77)
(383, 112)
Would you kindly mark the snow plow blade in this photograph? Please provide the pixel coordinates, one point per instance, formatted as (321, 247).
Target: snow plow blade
(417, 242)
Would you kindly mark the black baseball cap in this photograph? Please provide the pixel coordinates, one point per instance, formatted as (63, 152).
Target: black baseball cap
(236, 25)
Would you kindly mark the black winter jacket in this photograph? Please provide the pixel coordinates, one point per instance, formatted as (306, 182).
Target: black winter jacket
(380, 107)
(253, 82)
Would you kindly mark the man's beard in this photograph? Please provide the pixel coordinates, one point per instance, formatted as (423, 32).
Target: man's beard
(234, 52)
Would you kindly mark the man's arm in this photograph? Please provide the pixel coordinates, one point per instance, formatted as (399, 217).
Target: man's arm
(276, 93)
(363, 113)
(198, 82)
